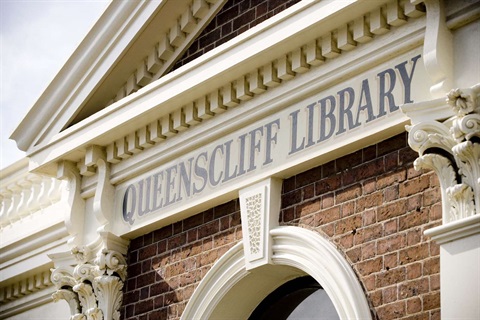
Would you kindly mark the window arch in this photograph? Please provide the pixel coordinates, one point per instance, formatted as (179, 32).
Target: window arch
(230, 291)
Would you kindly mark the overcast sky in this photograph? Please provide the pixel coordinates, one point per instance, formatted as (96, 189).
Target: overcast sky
(36, 39)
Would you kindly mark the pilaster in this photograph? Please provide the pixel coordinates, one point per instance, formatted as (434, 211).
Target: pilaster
(451, 148)
(90, 276)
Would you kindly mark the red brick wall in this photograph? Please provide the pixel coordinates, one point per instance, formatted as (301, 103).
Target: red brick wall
(165, 265)
(235, 17)
(375, 207)
(371, 204)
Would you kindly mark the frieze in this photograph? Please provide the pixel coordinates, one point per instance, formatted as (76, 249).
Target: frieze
(335, 117)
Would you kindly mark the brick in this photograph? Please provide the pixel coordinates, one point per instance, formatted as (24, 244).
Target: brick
(369, 201)
(348, 193)
(208, 229)
(431, 301)
(288, 214)
(432, 196)
(414, 237)
(308, 192)
(328, 184)
(369, 250)
(328, 215)
(435, 282)
(147, 252)
(308, 177)
(364, 171)
(346, 241)
(329, 229)
(329, 168)
(391, 178)
(145, 279)
(413, 254)
(394, 310)
(414, 186)
(354, 254)
(368, 233)
(349, 161)
(376, 298)
(143, 306)
(328, 200)
(413, 288)
(390, 277)
(347, 209)
(291, 198)
(391, 227)
(391, 210)
(407, 156)
(414, 305)
(162, 233)
(391, 244)
(414, 270)
(348, 224)
(369, 186)
(307, 208)
(431, 266)
(393, 144)
(225, 209)
(389, 294)
(368, 267)
(177, 241)
(379, 230)
(391, 261)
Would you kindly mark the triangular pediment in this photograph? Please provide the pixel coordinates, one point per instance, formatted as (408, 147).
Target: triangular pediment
(133, 44)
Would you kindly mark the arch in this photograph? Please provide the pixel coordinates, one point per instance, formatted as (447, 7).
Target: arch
(226, 288)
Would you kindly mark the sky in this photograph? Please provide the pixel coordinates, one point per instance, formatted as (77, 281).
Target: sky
(36, 39)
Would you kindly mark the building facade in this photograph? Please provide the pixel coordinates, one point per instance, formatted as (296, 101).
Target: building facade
(223, 159)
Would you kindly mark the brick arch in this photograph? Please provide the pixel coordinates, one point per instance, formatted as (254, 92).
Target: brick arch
(227, 286)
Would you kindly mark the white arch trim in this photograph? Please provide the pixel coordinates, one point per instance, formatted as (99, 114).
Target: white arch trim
(294, 247)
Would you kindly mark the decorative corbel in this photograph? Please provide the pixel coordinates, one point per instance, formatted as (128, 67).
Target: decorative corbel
(437, 48)
(74, 221)
(96, 157)
(451, 148)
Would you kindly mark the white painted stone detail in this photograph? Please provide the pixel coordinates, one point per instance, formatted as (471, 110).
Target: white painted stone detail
(260, 208)
(92, 285)
(450, 147)
(254, 206)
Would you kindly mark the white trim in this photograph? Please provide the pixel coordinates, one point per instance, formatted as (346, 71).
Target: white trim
(455, 230)
(295, 247)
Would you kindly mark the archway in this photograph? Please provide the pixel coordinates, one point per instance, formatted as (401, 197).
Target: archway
(229, 291)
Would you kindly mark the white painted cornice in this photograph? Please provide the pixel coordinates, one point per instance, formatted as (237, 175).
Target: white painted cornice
(291, 28)
(114, 52)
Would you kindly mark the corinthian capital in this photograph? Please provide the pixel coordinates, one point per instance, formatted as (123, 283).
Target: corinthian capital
(92, 284)
(451, 147)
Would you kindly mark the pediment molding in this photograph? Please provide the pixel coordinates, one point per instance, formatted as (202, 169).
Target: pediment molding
(132, 44)
(184, 98)
(285, 67)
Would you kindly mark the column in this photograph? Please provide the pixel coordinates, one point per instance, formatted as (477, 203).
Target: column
(450, 146)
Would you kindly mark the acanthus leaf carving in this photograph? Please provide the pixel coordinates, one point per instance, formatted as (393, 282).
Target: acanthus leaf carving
(86, 297)
(461, 201)
(108, 289)
(452, 149)
(71, 298)
(93, 287)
